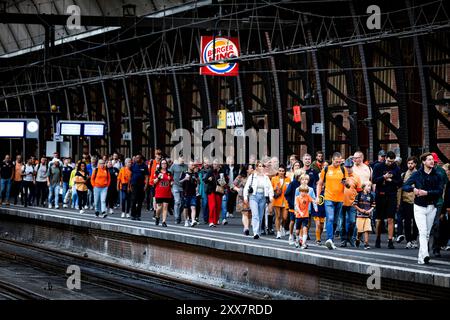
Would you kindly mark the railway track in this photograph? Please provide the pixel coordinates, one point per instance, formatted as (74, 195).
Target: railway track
(99, 280)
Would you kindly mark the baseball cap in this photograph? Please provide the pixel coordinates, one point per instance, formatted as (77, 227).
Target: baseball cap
(435, 157)
(382, 153)
(348, 163)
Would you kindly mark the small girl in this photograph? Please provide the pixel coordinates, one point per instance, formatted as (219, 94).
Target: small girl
(364, 205)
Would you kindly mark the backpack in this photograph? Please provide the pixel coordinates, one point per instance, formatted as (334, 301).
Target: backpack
(326, 170)
(95, 174)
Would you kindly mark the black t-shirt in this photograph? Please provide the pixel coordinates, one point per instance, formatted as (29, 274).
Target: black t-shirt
(66, 171)
(6, 169)
(189, 186)
(113, 173)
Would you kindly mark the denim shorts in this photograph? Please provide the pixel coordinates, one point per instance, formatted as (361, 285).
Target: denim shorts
(190, 201)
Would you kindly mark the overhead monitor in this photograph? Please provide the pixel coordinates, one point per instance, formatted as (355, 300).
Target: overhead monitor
(12, 129)
(70, 129)
(94, 129)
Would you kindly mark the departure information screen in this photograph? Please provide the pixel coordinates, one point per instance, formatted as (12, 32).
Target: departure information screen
(12, 129)
(70, 129)
(94, 129)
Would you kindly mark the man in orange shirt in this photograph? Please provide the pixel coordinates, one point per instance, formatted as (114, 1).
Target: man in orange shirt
(100, 181)
(347, 218)
(333, 177)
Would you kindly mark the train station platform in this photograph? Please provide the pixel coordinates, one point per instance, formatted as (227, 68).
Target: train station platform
(224, 257)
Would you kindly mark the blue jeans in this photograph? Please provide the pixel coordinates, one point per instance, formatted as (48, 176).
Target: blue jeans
(65, 187)
(177, 197)
(205, 209)
(74, 197)
(125, 200)
(53, 190)
(332, 210)
(348, 222)
(258, 208)
(5, 186)
(224, 205)
(100, 199)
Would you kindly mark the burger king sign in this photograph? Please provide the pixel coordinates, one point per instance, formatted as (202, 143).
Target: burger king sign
(225, 48)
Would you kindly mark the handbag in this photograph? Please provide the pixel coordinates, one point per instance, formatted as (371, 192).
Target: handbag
(278, 191)
(220, 189)
(250, 189)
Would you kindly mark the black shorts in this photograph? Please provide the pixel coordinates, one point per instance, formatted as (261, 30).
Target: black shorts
(301, 223)
(163, 200)
(386, 206)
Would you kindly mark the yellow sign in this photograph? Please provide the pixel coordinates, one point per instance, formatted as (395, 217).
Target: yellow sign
(222, 119)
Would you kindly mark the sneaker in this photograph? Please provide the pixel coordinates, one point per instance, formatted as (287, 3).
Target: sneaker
(194, 223)
(164, 224)
(304, 246)
(283, 232)
(91, 208)
(49, 206)
(111, 211)
(263, 233)
(447, 248)
(278, 235)
(65, 206)
(138, 219)
(224, 221)
(409, 245)
(318, 242)
(426, 260)
(82, 211)
(247, 232)
(211, 225)
(104, 214)
(343, 244)
(270, 232)
(291, 240)
(400, 238)
(186, 223)
(128, 215)
(256, 236)
(122, 215)
(230, 215)
(366, 246)
(329, 244)
(156, 221)
(86, 207)
(97, 213)
(57, 207)
(378, 243)
(391, 244)
(297, 244)
(357, 242)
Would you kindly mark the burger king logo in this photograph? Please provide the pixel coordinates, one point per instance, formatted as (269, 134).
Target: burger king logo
(225, 48)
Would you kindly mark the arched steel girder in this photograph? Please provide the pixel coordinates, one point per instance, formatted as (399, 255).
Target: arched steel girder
(370, 98)
(277, 100)
(127, 104)
(424, 86)
(107, 112)
(322, 102)
(86, 108)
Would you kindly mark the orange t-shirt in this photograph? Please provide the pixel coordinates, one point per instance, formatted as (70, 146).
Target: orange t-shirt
(18, 172)
(351, 193)
(124, 176)
(152, 171)
(334, 189)
(302, 203)
(100, 178)
(281, 200)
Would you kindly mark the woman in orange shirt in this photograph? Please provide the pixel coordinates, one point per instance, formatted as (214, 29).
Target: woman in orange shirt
(123, 186)
(100, 181)
(280, 204)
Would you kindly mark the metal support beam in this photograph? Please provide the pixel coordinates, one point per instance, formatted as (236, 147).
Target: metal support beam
(106, 104)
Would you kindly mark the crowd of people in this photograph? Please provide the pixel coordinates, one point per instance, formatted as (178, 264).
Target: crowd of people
(347, 198)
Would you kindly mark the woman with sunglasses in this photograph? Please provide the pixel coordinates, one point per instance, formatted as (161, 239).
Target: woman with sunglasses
(279, 204)
(163, 181)
(257, 188)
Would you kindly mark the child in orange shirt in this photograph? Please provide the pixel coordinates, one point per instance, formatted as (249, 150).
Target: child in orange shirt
(302, 206)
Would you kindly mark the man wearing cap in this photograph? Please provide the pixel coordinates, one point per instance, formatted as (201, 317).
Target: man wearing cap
(348, 213)
(387, 177)
(381, 159)
(440, 201)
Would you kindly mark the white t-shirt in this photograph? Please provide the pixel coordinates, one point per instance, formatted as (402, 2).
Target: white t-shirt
(41, 173)
(29, 171)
